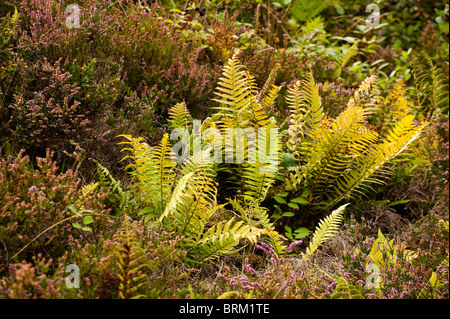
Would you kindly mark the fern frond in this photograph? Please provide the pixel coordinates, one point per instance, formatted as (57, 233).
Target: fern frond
(256, 216)
(179, 116)
(326, 229)
(259, 176)
(353, 180)
(431, 86)
(235, 92)
(109, 182)
(345, 290)
(344, 58)
(439, 88)
(153, 169)
(397, 101)
(130, 261)
(311, 101)
(191, 205)
(221, 238)
(200, 161)
(307, 114)
(268, 93)
(367, 94)
(324, 157)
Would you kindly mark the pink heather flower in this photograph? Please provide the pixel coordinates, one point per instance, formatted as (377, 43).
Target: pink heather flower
(293, 244)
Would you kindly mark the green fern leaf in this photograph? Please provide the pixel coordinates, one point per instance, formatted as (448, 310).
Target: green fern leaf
(179, 116)
(345, 290)
(326, 229)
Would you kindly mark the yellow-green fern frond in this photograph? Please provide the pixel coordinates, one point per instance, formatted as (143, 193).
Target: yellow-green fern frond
(153, 168)
(223, 237)
(326, 229)
(191, 205)
(269, 92)
(311, 101)
(130, 261)
(179, 116)
(235, 92)
(257, 216)
(367, 94)
(324, 158)
(365, 167)
(345, 290)
(431, 86)
(344, 58)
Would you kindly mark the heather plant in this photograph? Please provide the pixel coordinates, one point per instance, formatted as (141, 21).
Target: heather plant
(172, 69)
(51, 116)
(27, 281)
(100, 85)
(282, 277)
(400, 272)
(40, 206)
(130, 261)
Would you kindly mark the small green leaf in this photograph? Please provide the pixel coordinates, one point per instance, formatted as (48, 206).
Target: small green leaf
(400, 202)
(300, 200)
(339, 9)
(282, 194)
(280, 200)
(85, 228)
(302, 232)
(147, 218)
(276, 216)
(146, 210)
(76, 225)
(288, 214)
(306, 193)
(73, 209)
(87, 220)
(288, 232)
(289, 235)
(293, 205)
(288, 161)
(278, 209)
(433, 279)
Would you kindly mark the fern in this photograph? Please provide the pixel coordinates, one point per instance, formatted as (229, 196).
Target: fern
(344, 58)
(269, 92)
(358, 178)
(235, 92)
(183, 197)
(153, 167)
(256, 216)
(189, 206)
(179, 116)
(223, 236)
(130, 261)
(341, 158)
(345, 290)
(243, 106)
(110, 183)
(431, 86)
(326, 229)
